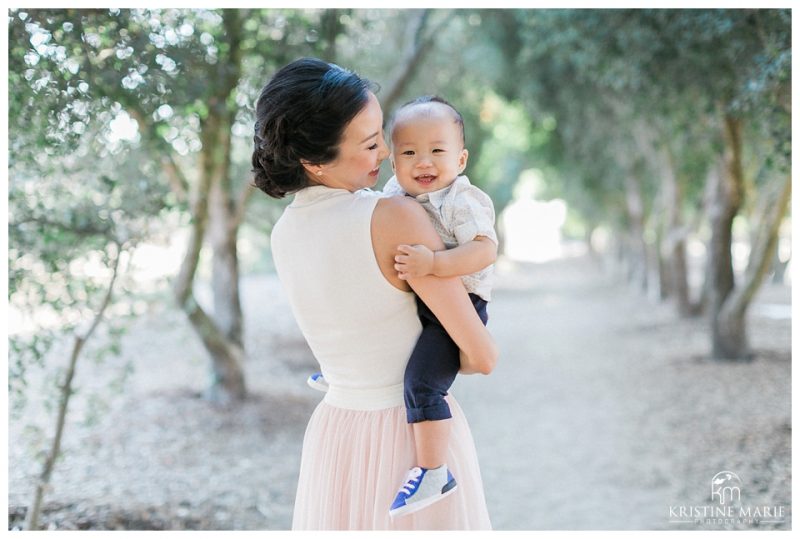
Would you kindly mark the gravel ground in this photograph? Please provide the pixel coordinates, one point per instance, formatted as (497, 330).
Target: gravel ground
(602, 414)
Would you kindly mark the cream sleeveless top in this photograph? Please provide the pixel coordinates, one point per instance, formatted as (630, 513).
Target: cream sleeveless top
(360, 328)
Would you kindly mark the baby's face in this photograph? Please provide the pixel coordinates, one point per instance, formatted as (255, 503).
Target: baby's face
(427, 152)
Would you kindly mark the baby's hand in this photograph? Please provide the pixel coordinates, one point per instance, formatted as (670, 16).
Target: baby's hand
(416, 262)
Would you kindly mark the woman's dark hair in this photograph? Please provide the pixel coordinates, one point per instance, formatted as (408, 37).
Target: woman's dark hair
(422, 100)
(300, 116)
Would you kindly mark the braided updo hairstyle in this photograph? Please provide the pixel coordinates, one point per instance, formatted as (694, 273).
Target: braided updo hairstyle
(301, 115)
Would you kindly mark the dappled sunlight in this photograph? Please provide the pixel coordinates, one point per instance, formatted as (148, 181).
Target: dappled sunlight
(123, 127)
(153, 261)
(143, 272)
(635, 159)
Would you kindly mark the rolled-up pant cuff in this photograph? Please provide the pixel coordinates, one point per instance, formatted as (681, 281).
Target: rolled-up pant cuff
(436, 412)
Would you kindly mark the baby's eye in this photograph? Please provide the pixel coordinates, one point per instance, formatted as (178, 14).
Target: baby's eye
(437, 150)
(408, 152)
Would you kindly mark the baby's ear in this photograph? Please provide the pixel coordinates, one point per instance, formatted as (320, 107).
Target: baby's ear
(462, 160)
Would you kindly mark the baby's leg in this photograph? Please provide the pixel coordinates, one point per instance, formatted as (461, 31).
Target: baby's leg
(431, 369)
(432, 439)
(430, 372)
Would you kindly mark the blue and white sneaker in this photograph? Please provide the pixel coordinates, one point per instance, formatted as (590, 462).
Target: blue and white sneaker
(423, 487)
(318, 382)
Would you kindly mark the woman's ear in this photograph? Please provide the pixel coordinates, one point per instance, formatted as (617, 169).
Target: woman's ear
(462, 160)
(314, 170)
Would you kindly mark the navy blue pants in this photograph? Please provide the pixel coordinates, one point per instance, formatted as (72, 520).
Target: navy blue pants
(433, 366)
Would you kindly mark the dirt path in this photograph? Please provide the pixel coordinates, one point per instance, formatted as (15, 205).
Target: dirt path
(601, 414)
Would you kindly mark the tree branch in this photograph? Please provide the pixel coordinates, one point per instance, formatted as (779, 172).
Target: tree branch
(245, 195)
(418, 47)
(177, 179)
(66, 392)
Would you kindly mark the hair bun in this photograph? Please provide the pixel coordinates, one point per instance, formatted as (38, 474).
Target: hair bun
(297, 122)
(271, 174)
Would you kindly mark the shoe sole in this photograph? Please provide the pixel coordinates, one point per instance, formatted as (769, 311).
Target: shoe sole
(422, 504)
(317, 385)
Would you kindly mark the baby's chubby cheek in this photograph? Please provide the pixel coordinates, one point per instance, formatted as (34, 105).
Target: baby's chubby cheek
(406, 182)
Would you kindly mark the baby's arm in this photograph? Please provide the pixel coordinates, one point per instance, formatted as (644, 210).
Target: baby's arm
(470, 216)
(464, 259)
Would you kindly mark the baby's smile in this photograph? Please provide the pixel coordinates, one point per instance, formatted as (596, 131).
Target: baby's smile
(425, 179)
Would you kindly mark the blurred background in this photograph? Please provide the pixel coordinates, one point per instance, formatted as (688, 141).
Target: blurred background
(639, 163)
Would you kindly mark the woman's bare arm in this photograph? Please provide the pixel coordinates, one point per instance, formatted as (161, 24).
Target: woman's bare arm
(400, 220)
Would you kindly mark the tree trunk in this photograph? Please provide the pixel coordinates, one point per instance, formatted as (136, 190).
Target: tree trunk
(637, 252)
(32, 518)
(215, 212)
(222, 232)
(227, 379)
(665, 271)
(733, 313)
(656, 272)
(590, 249)
(330, 28)
(225, 267)
(617, 254)
(658, 281)
(728, 339)
(675, 240)
(227, 382)
(703, 304)
(779, 266)
(224, 342)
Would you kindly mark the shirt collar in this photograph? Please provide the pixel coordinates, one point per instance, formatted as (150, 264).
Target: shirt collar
(314, 193)
(437, 198)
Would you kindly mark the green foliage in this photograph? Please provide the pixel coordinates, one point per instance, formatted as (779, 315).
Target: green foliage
(64, 233)
(603, 74)
(75, 205)
(559, 90)
(506, 148)
(99, 99)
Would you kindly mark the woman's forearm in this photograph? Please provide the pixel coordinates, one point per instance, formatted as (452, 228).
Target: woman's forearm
(448, 300)
(482, 358)
(402, 221)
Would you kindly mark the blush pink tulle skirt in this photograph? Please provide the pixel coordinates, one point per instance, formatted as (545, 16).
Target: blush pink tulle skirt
(354, 461)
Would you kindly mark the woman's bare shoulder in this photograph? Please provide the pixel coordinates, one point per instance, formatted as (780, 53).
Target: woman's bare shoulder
(399, 206)
(399, 220)
(404, 219)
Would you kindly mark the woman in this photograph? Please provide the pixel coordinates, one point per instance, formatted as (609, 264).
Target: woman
(318, 133)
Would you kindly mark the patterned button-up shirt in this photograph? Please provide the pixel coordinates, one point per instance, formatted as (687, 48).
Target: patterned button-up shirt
(460, 212)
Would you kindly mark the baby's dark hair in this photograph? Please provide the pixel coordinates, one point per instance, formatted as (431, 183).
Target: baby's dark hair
(301, 116)
(422, 100)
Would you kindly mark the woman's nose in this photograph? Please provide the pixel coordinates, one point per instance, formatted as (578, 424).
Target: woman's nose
(383, 149)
